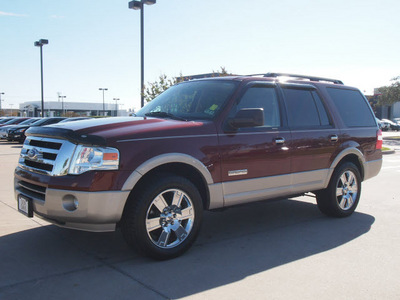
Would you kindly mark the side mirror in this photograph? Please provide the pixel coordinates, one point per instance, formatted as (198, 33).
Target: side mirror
(247, 117)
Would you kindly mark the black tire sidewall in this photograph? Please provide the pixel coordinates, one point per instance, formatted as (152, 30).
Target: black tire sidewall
(162, 183)
(331, 192)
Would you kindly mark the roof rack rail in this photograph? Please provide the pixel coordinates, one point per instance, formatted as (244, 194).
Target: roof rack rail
(311, 78)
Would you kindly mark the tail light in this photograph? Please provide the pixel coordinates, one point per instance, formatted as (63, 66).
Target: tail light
(379, 139)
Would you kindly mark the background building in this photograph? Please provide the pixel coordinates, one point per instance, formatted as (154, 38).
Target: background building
(56, 109)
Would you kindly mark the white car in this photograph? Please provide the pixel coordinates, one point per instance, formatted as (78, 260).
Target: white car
(383, 125)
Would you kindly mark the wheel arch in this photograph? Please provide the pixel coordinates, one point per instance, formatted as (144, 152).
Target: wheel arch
(175, 163)
(352, 155)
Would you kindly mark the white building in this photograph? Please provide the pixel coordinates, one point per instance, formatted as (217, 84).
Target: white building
(61, 108)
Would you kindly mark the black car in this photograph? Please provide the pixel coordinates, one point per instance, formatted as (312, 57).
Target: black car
(18, 133)
(5, 119)
(5, 129)
(13, 121)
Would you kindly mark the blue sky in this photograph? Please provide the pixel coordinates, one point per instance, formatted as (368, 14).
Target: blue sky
(95, 44)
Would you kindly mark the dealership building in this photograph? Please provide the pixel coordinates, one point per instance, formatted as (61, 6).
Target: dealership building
(63, 108)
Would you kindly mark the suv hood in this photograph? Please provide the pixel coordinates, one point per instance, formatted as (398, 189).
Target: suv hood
(108, 131)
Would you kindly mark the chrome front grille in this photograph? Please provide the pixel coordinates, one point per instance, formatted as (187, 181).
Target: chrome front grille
(46, 156)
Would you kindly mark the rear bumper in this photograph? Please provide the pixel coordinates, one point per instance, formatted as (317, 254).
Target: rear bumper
(89, 211)
(372, 168)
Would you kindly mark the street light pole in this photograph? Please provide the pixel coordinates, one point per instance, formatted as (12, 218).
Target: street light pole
(139, 5)
(62, 104)
(116, 106)
(2, 93)
(40, 44)
(104, 109)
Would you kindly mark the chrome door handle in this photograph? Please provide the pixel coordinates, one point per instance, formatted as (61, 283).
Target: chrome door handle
(334, 138)
(279, 141)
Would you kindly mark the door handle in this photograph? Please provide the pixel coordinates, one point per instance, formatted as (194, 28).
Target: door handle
(279, 140)
(334, 138)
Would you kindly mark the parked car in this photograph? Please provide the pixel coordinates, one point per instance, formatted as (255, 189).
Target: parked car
(385, 126)
(18, 133)
(13, 121)
(4, 130)
(75, 119)
(5, 119)
(392, 125)
(202, 145)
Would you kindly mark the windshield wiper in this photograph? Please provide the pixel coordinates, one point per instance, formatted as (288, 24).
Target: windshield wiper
(163, 114)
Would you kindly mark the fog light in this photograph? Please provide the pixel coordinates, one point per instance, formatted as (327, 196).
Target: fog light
(70, 202)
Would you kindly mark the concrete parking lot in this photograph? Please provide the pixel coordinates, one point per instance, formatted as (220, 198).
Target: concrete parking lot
(269, 250)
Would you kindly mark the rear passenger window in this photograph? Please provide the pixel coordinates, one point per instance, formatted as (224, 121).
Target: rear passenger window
(305, 109)
(353, 108)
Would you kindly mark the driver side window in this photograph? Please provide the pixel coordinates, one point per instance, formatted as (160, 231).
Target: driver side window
(265, 98)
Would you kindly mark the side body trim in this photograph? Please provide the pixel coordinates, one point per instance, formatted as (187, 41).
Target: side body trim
(243, 191)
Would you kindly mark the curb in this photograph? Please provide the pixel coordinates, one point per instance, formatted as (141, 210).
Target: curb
(388, 152)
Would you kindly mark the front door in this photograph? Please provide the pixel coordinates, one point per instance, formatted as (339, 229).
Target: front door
(255, 161)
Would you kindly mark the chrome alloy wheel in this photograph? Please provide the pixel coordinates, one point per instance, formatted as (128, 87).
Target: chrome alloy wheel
(346, 190)
(170, 218)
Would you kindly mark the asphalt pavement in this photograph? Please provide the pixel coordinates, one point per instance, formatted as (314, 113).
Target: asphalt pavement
(268, 250)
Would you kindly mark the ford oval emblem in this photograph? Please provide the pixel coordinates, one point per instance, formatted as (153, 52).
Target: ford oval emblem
(33, 153)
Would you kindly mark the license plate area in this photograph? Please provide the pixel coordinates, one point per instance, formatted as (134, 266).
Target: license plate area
(25, 206)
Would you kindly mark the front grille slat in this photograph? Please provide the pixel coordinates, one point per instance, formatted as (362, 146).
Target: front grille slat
(32, 190)
(45, 144)
(32, 187)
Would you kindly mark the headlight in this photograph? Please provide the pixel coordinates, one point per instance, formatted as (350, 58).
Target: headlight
(21, 130)
(93, 158)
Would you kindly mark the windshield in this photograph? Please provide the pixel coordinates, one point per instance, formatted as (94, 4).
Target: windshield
(3, 121)
(191, 100)
(29, 121)
(14, 121)
(40, 122)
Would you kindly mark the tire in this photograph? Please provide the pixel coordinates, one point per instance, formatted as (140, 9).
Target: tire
(162, 220)
(342, 195)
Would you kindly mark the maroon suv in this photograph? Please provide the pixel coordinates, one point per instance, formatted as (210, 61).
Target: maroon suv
(201, 145)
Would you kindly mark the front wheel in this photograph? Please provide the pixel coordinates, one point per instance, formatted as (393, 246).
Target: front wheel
(342, 195)
(163, 220)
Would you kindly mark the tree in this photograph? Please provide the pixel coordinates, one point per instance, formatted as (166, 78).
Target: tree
(153, 89)
(390, 94)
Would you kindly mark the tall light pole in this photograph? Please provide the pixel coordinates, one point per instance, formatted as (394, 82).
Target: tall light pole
(62, 104)
(139, 5)
(40, 44)
(116, 106)
(104, 109)
(1, 93)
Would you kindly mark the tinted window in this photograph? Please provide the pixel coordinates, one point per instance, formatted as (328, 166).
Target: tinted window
(265, 98)
(323, 116)
(303, 110)
(192, 100)
(353, 108)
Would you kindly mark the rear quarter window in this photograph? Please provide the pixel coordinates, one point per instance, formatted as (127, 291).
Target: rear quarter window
(352, 107)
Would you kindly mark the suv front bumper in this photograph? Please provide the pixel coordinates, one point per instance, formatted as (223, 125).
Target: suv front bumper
(89, 211)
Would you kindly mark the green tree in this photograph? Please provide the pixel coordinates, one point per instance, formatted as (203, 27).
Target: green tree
(390, 94)
(153, 89)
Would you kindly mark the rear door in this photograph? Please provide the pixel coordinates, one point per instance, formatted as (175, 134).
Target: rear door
(314, 137)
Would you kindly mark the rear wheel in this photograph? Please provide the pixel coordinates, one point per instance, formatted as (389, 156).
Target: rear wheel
(342, 195)
(163, 220)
